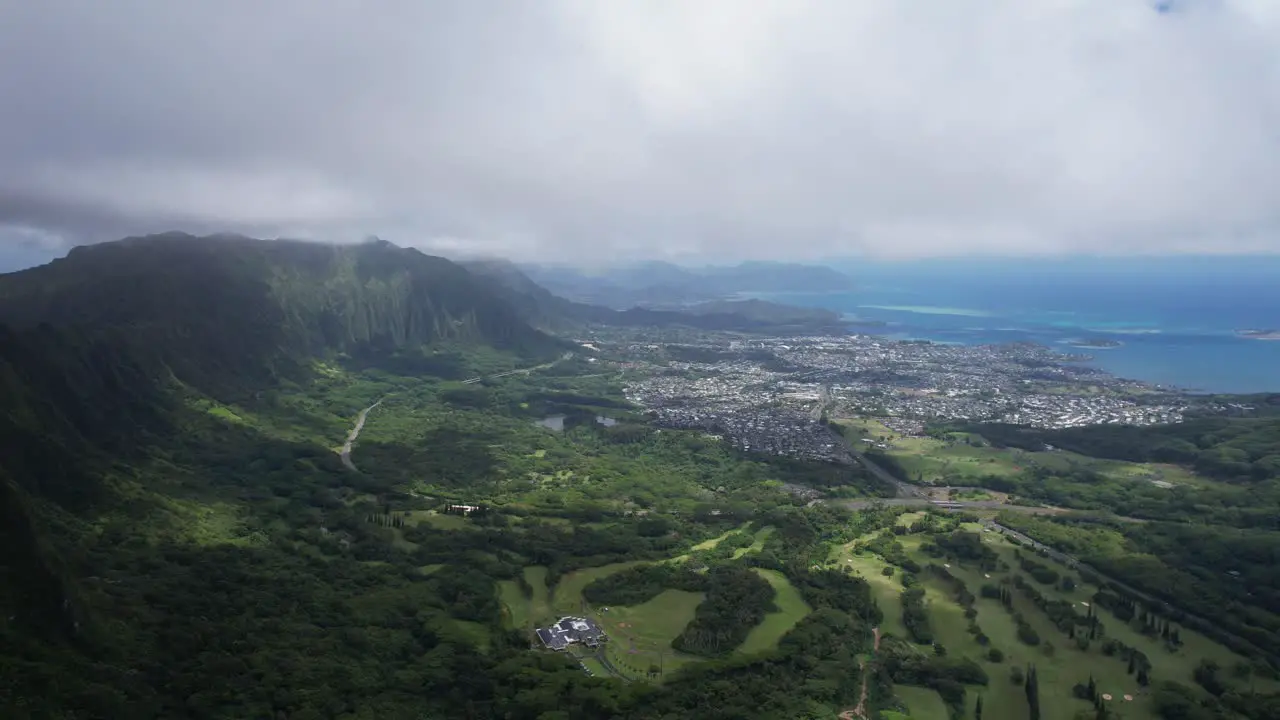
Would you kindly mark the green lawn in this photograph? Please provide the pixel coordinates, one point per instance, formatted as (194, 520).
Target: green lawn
(761, 536)
(567, 598)
(440, 521)
(514, 603)
(1059, 663)
(887, 591)
(540, 602)
(524, 612)
(922, 703)
(641, 635)
(791, 609)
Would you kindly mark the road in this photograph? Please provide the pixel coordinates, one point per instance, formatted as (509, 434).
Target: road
(543, 366)
(951, 505)
(903, 488)
(345, 453)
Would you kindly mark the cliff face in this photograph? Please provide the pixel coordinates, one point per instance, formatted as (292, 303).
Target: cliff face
(225, 311)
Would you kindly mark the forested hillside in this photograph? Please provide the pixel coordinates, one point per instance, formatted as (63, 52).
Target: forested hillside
(224, 314)
(178, 538)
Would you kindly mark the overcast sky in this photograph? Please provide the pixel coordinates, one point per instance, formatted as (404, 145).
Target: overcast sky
(595, 130)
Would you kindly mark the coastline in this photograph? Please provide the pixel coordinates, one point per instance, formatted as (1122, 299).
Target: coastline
(1191, 351)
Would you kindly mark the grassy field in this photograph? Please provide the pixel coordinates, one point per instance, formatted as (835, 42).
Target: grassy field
(641, 635)
(524, 612)
(962, 457)
(439, 521)
(567, 598)
(711, 543)
(922, 703)
(791, 609)
(1060, 664)
(761, 536)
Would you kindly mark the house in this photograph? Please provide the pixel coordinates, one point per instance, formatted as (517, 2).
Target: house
(571, 631)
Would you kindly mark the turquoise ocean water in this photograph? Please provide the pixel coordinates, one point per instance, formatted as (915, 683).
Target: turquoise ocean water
(1176, 320)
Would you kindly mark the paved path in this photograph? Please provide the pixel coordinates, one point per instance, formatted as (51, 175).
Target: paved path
(543, 366)
(345, 453)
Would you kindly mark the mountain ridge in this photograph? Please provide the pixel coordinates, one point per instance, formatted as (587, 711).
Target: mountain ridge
(541, 305)
(227, 307)
(662, 283)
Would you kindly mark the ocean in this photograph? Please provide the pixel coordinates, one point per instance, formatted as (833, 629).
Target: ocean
(1175, 319)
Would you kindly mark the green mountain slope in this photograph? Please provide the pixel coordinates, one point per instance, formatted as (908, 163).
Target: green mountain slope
(100, 350)
(229, 312)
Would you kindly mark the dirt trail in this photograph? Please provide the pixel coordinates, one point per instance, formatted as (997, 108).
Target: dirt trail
(861, 710)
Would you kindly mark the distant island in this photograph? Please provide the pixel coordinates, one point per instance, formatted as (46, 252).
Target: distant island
(1270, 334)
(1095, 343)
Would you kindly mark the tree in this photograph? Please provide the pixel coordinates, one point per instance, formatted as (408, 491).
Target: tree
(1032, 688)
(977, 709)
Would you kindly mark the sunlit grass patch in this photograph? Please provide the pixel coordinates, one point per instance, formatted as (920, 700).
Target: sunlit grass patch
(791, 610)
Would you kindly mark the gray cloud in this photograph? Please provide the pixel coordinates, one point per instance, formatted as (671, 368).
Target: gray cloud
(577, 129)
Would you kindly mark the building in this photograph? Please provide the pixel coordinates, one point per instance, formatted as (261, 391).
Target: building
(571, 631)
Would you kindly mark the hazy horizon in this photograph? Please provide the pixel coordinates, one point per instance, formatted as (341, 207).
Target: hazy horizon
(22, 255)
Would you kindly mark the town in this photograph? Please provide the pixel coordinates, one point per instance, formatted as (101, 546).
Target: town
(772, 395)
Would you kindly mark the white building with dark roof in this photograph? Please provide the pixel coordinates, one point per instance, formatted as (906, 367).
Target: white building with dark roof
(571, 631)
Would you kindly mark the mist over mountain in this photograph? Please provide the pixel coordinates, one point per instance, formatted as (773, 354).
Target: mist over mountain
(662, 284)
(543, 308)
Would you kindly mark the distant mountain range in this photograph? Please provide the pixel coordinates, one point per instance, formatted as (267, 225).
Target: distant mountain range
(540, 307)
(664, 285)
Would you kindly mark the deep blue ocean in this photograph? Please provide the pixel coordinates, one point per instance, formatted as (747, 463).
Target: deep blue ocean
(1176, 319)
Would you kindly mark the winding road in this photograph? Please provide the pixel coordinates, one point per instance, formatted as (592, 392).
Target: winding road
(345, 453)
(543, 366)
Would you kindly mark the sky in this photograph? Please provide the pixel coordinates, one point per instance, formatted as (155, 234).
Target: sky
(596, 132)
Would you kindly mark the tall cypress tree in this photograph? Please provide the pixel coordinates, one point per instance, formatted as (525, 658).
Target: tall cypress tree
(1032, 687)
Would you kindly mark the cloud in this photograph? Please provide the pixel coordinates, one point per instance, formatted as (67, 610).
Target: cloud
(577, 129)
